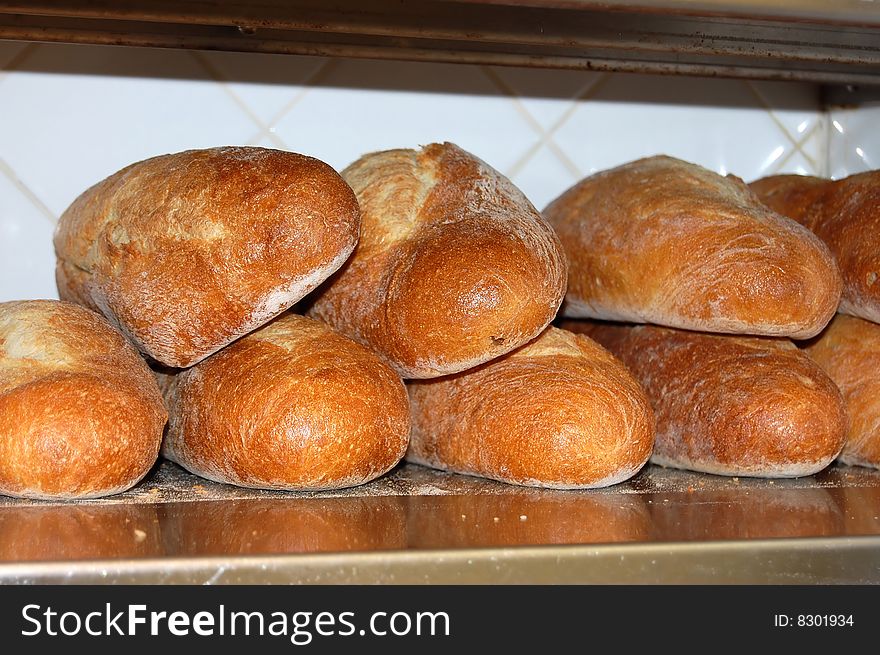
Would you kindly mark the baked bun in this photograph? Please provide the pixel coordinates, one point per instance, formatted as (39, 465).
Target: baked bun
(663, 241)
(560, 412)
(290, 406)
(80, 414)
(731, 405)
(455, 266)
(849, 352)
(187, 252)
(845, 214)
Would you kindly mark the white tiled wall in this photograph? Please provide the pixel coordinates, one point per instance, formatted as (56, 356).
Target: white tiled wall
(71, 115)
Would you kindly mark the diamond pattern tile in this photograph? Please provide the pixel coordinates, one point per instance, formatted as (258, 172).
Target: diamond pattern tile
(362, 106)
(795, 106)
(545, 93)
(855, 142)
(716, 123)
(543, 177)
(76, 115)
(796, 163)
(27, 260)
(267, 84)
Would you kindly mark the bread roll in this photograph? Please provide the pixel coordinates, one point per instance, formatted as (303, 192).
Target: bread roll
(731, 405)
(454, 267)
(187, 252)
(80, 414)
(560, 412)
(846, 215)
(663, 241)
(290, 406)
(849, 351)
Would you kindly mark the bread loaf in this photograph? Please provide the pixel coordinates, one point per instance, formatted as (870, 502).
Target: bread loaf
(849, 351)
(187, 252)
(454, 267)
(846, 215)
(666, 242)
(560, 412)
(80, 414)
(731, 405)
(290, 406)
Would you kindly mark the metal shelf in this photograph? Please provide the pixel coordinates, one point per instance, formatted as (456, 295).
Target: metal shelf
(831, 41)
(421, 526)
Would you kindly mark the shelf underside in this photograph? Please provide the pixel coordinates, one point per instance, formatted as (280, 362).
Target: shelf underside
(833, 41)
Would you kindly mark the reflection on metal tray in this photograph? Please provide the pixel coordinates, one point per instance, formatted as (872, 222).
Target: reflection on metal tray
(418, 525)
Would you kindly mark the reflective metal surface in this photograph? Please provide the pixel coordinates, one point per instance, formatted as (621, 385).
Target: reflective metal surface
(417, 525)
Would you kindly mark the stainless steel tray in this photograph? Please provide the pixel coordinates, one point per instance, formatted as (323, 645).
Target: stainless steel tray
(421, 526)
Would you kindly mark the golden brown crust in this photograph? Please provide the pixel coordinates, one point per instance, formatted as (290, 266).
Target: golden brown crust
(560, 412)
(290, 406)
(454, 267)
(730, 405)
(849, 351)
(189, 251)
(666, 242)
(80, 414)
(845, 214)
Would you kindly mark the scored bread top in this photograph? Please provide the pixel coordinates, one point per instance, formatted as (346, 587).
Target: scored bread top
(730, 405)
(293, 405)
(80, 414)
(560, 412)
(845, 214)
(189, 251)
(849, 351)
(663, 241)
(454, 266)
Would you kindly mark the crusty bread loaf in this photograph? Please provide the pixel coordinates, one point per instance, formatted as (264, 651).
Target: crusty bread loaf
(80, 414)
(560, 412)
(730, 405)
(666, 242)
(849, 351)
(290, 406)
(846, 215)
(454, 267)
(187, 252)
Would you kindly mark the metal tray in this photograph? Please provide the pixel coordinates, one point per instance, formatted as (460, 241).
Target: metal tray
(416, 525)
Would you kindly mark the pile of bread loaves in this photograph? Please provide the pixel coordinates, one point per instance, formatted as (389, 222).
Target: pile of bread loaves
(432, 267)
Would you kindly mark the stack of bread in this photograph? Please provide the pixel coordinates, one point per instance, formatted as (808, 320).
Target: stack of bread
(727, 283)
(429, 283)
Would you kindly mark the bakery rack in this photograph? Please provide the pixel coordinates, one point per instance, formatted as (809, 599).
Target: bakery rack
(421, 526)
